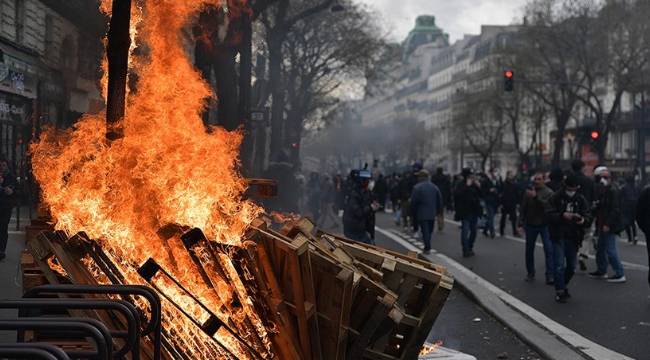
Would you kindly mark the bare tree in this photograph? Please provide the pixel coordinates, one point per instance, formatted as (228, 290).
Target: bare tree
(551, 74)
(480, 122)
(318, 62)
(612, 49)
(278, 21)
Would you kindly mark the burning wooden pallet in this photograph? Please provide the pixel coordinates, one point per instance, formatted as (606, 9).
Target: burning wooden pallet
(289, 292)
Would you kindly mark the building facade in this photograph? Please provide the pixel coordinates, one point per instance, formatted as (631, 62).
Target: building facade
(50, 53)
(438, 82)
(431, 85)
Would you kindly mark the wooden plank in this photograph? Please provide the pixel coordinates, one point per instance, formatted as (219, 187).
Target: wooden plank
(333, 285)
(286, 256)
(415, 342)
(378, 315)
(388, 262)
(284, 337)
(423, 263)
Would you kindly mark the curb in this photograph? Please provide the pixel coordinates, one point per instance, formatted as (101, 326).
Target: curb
(549, 339)
(542, 341)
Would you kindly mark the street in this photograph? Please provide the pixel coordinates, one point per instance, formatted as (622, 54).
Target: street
(616, 316)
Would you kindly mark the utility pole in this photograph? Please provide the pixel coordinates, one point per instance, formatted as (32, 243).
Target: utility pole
(117, 52)
(641, 132)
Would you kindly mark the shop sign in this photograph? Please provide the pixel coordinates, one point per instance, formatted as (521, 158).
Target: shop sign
(8, 109)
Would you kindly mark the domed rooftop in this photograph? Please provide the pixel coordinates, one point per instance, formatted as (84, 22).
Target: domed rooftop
(425, 32)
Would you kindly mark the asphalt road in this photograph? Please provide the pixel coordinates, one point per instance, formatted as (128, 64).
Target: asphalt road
(465, 326)
(616, 316)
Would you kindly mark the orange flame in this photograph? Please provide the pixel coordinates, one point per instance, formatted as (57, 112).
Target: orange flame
(430, 348)
(166, 169)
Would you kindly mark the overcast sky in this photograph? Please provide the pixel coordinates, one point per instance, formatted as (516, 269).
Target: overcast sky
(456, 17)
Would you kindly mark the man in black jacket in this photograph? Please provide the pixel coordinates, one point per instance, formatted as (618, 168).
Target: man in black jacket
(607, 213)
(533, 211)
(643, 217)
(467, 198)
(359, 213)
(509, 199)
(568, 215)
(443, 183)
(7, 202)
(490, 187)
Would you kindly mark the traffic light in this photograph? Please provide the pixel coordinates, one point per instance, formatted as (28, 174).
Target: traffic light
(508, 80)
(595, 135)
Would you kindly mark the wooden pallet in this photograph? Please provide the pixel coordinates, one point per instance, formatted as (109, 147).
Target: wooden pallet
(318, 295)
(291, 265)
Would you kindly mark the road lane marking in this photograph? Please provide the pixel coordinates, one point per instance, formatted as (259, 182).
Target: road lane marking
(626, 264)
(579, 342)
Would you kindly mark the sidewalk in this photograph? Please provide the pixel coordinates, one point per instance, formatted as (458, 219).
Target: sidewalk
(11, 279)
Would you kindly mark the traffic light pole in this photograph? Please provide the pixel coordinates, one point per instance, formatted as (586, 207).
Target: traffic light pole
(641, 141)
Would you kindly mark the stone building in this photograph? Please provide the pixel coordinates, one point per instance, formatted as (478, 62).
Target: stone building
(50, 52)
(429, 83)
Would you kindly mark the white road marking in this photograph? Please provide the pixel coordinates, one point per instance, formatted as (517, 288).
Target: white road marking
(626, 264)
(574, 339)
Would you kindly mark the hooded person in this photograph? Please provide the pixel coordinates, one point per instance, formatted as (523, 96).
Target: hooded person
(359, 212)
(555, 179)
(607, 215)
(442, 181)
(467, 200)
(568, 216)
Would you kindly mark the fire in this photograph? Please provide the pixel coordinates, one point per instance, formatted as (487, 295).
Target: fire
(430, 348)
(167, 169)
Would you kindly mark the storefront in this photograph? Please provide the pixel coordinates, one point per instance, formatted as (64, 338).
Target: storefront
(18, 92)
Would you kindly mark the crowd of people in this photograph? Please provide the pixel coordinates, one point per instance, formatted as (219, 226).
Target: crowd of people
(571, 213)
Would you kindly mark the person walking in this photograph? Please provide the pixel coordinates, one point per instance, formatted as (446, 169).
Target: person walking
(490, 187)
(328, 200)
(405, 190)
(643, 217)
(568, 217)
(380, 190)
(586, 189)
(467, 200)
(629, 197)
(314, 196)
(359, 209)
(509, 199)
(556, 178)
(607, 214)
(533, 217)
(426, 203)
(7, 202)
(395, 199)
(443, 183)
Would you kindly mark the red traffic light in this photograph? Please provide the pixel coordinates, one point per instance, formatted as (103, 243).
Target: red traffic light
(595, 135)
(509, 74)
(295, 145)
